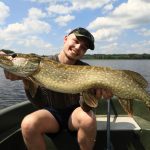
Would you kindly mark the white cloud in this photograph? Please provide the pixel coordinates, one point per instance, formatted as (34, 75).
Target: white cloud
(109, 34)
(30, 44)
(30, 25)
(4, 12)
(135, 12)
(35, 13)
(129, 15)
(41, 1)
(75, 5)
(103, 48)
(12, 31)
(108, 7)
(92, 4)
(63, 20)
(109, 48)
(20, 30)
(58, 9)
(122, 48)
(35, 43)
(26, 32)
(141, 47)
(144, 32)
(36, 26)
(47, 1)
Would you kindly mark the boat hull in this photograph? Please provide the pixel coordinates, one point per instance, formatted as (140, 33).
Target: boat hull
(127, 133)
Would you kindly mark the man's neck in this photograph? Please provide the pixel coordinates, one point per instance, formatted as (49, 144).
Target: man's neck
(64, 59)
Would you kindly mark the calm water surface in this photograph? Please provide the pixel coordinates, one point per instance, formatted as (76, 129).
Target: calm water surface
(12, 92)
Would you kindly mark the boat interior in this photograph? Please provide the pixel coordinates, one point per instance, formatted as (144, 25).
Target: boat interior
(127, 132)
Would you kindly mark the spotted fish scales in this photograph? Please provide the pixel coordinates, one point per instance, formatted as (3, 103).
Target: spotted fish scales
(125, 84)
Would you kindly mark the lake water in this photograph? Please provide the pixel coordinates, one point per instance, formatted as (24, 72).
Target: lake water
(12, 92)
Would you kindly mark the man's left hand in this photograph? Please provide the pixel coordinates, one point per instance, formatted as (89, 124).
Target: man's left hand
(105, 93)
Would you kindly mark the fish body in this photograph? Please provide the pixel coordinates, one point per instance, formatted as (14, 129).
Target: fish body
(124, 84)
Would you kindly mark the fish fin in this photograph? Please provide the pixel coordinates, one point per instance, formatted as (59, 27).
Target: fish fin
(147, 101)
(127, 105)
(138, 78)
(90, 99)
(84, 106)
(32, 86)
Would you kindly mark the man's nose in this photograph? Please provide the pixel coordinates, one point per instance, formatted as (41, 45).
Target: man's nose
(78, 46)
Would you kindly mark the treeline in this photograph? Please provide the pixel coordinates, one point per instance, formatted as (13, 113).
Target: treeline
(106, 56)
(117, 56)
(7, 51)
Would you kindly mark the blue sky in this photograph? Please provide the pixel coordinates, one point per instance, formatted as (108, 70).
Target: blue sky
(39, 26)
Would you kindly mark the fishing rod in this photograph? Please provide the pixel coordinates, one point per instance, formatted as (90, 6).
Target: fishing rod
(109, 144)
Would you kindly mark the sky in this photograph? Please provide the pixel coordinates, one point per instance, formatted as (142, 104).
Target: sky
(39, 26)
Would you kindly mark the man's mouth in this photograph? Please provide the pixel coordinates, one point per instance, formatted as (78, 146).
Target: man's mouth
(74, 52)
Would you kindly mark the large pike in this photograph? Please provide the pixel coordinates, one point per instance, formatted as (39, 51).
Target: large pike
(126, 85)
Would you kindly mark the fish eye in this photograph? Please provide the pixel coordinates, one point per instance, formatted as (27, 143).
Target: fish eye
(13, 55)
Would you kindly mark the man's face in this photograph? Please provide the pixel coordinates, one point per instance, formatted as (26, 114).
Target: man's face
(75, 48)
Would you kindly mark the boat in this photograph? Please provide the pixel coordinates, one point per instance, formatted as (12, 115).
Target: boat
(125, 132)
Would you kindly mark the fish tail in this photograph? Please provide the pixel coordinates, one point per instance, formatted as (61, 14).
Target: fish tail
(127, 105)
(90, 99)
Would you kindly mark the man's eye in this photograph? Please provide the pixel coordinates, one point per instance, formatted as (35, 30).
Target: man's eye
(13, 55)
(76, 41)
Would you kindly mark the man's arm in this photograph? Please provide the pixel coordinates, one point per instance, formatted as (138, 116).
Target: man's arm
(29, 86)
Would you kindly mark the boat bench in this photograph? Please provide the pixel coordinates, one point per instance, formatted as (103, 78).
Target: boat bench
(117, 123)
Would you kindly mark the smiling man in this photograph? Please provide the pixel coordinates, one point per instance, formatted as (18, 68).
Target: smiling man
(58, 110)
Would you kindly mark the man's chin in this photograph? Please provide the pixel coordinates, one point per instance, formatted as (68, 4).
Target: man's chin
(72, 57)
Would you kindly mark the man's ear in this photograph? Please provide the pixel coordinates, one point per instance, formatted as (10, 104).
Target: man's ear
(65, 38)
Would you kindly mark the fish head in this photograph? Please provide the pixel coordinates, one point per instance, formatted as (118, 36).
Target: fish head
(20, 64)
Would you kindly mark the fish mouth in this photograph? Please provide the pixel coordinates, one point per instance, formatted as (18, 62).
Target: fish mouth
(20, 64)
(13, 60)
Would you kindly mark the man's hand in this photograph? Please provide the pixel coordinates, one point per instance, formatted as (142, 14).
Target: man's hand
(99, 93)
(105, 93)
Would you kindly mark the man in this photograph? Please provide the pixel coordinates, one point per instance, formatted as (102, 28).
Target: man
(59, 111)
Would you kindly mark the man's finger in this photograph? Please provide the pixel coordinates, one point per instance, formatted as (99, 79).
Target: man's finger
(106, 94)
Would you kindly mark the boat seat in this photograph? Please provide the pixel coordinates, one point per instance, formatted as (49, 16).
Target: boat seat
(117, 123)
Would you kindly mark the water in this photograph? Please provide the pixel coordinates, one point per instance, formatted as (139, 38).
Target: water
(12, 92)
(140, 66)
